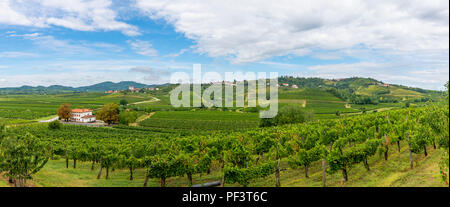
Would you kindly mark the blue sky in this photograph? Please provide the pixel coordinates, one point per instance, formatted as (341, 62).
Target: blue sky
(82, 42)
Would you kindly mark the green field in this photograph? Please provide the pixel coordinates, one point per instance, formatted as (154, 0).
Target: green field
(391, 91)
(164, 132)
(22, 109)
(33, 106)
(308, 94)
(202, 120)
(82, 141)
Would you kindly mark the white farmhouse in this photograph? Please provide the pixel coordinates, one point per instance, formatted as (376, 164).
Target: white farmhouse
(82, 116)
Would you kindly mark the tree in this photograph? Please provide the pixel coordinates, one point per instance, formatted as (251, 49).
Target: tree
(420, 139)
(165, 166)
(65, 112)
(338, 113)
(288, 115)
(123, 102)
(307, 157)
(127, 117)
(446, 94)
(109, 113)
(21, 157)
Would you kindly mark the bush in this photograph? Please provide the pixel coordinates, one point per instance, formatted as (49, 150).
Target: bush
(123, 102)
(407, 104)
(251, 109)
(56, 157)
(54, 125)
(288, 115)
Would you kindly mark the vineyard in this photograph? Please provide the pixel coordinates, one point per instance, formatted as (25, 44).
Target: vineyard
(31, 107)
(201, 120)
(328, 147)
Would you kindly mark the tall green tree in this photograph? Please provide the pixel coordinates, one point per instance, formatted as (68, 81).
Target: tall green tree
(109, 113)
(123, 102)
(291, 114)
(127, 117)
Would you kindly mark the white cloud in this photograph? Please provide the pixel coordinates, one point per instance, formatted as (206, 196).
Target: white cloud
(249, 31)
(83, 15)
(24, 35)
(152, 74)
(61, 46)
(181, 52)
(66, 47)
(87, 72)
(14, 54)
(144, 48)
(10, 16)
(396, 73)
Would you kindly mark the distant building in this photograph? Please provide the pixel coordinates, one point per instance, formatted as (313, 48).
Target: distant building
(131, 88)
(294, 86)
(285, 84)
(111, 91)
(386, 85)
(82, 116)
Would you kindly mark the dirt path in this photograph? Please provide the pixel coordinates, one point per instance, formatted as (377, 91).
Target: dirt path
(142, 118)
(49, 120)
(149, 101)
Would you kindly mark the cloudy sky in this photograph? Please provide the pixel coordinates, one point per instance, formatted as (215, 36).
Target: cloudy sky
(82, 42)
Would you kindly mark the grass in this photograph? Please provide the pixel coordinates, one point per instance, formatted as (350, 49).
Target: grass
(388, 91)
(392, 173)
(55, 174)
(400, 92)
(3, 183)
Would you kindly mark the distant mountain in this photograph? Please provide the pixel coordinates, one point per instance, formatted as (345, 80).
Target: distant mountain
(105, 86)
(100, 87)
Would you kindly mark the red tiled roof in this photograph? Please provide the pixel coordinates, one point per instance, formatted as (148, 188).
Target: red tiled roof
(81, 110)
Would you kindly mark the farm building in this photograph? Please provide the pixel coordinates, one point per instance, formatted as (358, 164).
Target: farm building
(82, 116)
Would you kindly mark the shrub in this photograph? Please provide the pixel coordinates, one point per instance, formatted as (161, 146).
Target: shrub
(54, 125)
(288, 115)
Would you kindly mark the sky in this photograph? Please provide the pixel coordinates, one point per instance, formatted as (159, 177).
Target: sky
(83, 42)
